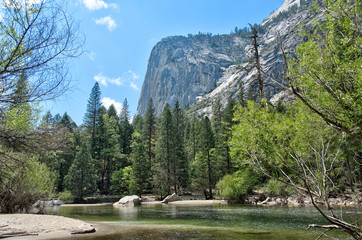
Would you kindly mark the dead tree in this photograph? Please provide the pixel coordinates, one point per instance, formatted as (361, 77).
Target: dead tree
(255, 37)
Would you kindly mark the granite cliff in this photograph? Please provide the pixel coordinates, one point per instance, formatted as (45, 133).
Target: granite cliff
(198, 68)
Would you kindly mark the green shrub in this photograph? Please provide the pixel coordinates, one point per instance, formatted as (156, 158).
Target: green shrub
(66, 196)
(121, 181)
(276, 188)
(235, 187)
(38, 179)
(28, 182)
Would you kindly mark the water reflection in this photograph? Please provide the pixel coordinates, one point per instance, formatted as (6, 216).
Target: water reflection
(198, 222)
(127, 213)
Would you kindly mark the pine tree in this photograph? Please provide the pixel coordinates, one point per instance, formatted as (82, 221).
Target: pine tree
(250, 95)
(191, 132)
(67, 122)
(165, 166)
(181, 166)
(149, 133)
(81, 178)
(112, 112)
(92, 115)
(66, 156)
(228, 123)
(140, 169)
(47, 120)
(241, 94)
(126, 130)
(21, 91)
(109, 152)
(220, 154)
(207, 143)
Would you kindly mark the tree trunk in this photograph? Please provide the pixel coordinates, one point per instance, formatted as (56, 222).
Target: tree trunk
(209, 173)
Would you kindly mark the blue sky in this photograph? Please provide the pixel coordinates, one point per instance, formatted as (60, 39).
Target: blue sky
(120, 35)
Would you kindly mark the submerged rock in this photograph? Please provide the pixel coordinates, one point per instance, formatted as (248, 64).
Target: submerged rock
(128, 201)
(171, 198)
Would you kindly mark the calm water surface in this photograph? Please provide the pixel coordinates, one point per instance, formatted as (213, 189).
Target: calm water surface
(199, 222)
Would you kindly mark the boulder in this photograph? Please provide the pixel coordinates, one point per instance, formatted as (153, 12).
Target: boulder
(266, 200)
(57, 202)
(47, 203)
(128, 201)
(171, 198)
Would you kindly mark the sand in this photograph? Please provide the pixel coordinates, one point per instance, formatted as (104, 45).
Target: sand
(187, 202)
(42, 226)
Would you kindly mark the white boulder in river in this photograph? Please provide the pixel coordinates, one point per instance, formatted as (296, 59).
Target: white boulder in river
(171, 198)
(128, 201)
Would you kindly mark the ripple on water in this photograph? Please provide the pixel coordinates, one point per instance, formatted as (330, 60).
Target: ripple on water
(199, 222)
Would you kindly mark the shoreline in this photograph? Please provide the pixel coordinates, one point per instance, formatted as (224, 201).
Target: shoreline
(187, 202)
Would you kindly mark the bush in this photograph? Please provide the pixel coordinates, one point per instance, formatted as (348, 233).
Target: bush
(39, 180)
(24, 185)
(121, 181)
(235, 187)
(66, 196)
(276, 188)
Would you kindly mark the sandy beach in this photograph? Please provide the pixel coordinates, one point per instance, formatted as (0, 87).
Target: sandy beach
(33, 226)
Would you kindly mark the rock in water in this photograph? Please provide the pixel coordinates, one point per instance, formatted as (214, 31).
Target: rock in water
(128, 201)
(171, 198)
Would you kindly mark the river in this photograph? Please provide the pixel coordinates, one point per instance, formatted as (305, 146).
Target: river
(199, 222)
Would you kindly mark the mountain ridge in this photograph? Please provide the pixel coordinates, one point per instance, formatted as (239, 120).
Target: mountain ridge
(194, 70)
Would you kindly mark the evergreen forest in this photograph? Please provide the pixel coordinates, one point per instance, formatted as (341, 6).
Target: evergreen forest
(310, 145)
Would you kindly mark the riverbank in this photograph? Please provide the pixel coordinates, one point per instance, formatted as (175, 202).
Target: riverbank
(31, 226)
(188, 202)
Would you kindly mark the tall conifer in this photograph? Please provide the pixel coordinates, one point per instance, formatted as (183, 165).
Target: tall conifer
(149, 132)
(92, 117)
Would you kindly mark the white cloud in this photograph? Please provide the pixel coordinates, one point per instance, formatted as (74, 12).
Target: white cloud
(104, 80)
(132, 78)
(109, 101)
(129, 78)
(98, 4)
(92, 55)
(108, 21)
(134, 86)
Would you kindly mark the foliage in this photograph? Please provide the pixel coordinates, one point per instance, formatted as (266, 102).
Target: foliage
(126, 129)
(109, 151)
(39, 180)
(81, 178)
(181, 163)
(277, 188)
(149, 134)
(203, 170)
(235, 187)
(326, 74)
(294, 147)
(165, 165)
(141, 173)
(26, 183)
(66, 196)
(35, 41)
(121, 181)
(93, 116)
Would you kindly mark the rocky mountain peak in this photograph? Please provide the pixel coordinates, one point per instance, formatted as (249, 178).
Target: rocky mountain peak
(196, 69)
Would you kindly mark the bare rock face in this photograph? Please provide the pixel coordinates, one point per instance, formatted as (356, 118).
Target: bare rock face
(171, 198)
(128, 201)
(185, 68)
(195, 70)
